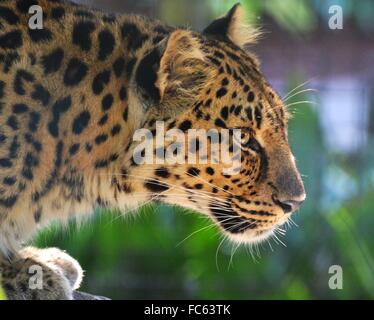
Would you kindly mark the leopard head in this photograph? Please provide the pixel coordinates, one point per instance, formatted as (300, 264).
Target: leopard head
(207, 81)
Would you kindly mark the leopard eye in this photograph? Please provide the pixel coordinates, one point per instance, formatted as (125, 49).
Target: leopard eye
(253, 145)
(247, 141)
(245, 136)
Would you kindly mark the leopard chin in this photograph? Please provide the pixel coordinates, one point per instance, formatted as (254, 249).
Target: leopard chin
(252, 236)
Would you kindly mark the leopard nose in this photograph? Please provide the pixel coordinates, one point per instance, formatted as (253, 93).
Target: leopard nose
(289, 206)
(290, 189)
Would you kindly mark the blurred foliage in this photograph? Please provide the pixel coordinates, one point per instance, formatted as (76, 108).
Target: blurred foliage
(295, 16)
(2, 295)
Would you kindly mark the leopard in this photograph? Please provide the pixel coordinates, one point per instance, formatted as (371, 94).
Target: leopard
(74, 93)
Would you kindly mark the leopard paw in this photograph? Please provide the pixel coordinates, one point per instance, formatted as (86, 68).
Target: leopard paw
(41, 274)
(57, 260)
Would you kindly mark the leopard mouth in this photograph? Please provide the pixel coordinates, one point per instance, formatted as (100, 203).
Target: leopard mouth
(256, 236)
(235, 224)
(231, 221)
(244, 229)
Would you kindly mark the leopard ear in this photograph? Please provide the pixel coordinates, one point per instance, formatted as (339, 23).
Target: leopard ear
(180, 63)
(232, 26)
(174, 72)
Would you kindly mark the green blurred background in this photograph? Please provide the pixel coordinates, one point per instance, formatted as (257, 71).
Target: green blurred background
(140, 256)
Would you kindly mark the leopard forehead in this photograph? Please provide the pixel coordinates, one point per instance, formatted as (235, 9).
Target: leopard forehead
(239, 94)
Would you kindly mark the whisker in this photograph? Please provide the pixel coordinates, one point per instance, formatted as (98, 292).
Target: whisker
(257, 250)
(195, 232)
(280, 231)
(250, 252)
(300, 102)
(271, 248)
(217, 251)
(280, 241)
(293, 222)
(299, 86)
(141, 205)
(299, 92)
(214, 224)
(232, 256)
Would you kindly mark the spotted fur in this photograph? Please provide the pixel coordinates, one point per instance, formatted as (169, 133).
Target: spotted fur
(73, 94)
